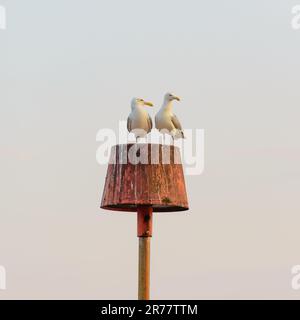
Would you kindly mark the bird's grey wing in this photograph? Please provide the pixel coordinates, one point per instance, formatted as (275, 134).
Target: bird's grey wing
(176, 122)
(177, 125)
(129, 124)
(150, 124)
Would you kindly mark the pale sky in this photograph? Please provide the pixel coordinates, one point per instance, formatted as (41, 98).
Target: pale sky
(69, 68)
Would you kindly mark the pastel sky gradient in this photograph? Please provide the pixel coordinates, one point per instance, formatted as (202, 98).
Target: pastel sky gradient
(69, 68)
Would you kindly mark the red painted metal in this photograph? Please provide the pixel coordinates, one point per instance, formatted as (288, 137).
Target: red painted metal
(144, 221)
(154, 181)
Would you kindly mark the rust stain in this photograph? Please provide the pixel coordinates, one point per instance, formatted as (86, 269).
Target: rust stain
(166, 200)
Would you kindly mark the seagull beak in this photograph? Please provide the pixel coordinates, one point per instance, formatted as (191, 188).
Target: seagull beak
(146, 103)
(177, 98)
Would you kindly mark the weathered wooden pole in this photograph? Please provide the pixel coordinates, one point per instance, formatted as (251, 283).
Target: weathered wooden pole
(144, 178)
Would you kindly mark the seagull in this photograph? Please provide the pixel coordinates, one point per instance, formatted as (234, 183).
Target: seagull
(139, 122)
(166, 121)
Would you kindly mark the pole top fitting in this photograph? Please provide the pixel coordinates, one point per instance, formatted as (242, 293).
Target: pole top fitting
(144, 221)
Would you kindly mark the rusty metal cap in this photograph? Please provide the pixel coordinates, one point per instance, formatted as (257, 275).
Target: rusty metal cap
(145, 175)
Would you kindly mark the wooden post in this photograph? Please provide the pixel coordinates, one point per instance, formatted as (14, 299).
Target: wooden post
(144, 232)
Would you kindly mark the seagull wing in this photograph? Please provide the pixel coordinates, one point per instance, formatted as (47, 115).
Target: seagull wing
(129, 124)
(177, 124)
(150, 124)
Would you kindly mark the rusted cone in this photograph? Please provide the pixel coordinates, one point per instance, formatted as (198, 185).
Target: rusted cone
(144, 178)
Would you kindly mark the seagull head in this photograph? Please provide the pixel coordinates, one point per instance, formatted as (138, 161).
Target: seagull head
(170, 97)
(135, 102)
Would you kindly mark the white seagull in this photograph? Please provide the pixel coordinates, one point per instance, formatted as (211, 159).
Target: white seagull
(139, 122)
(166, 121)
